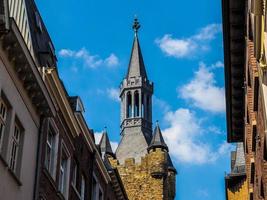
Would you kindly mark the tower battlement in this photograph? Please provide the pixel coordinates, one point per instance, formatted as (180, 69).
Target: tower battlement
(152, 178)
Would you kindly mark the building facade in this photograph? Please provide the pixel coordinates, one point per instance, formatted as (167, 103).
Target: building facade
(244, 30)
(47, 151)
(142, 157)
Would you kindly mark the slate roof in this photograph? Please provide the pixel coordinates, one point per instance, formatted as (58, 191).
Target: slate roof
(105, 145)
(158, 140)
(136, 66)
(239, 164)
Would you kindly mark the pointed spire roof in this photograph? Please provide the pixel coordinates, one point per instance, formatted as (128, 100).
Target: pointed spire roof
(239, 165)
(105, 145)
(157, 140)
(136, 66)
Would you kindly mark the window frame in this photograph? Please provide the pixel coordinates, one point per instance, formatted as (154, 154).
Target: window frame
(14, 161)
(52, 129)
(66, 171)
(98, 189)
(83, 187)
(3, 122)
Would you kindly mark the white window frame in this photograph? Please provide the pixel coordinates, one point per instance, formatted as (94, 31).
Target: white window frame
(74, 174)
(16, 148)
(95, 194)
(3, 121)
(82, 187)
(53, 130)
(65, 170)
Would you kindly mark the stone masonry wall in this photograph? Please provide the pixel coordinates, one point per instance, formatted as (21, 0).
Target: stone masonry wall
(240, 193)
(148, 180)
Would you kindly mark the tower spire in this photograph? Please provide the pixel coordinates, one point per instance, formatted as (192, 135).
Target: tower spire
(136, 66)
(136, 106)
(136, 26)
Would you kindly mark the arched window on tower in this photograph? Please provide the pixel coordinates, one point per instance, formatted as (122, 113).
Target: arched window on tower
(142, 106)
(129, 105)
(136, 104)
(147, 106)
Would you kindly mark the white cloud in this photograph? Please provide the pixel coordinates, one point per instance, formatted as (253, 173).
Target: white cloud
(178, 48)
(113, 94)
(112, 60)
(89, 60)
(203, 92)
(218, 64)
(162, 105)
(98, 136)
(225, 148)
(114, 145)
(184, 136)
(209, 32)
(185, 47)
(203, 193)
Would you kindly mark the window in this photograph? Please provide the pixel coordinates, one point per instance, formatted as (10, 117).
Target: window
(254, 135)
(147, 107)
(15, 148)
(97, 192)
(136, 104)
(142, 106)
(252, 173)
(83, 188)
(94, 189)
(64, 173)
(38, 21)
(262, 190)
(3, 116)
(74, 174)
(265, 148)
(256, 94)
(129, 105)
(250, 196)
(50, 152)
(100, 196)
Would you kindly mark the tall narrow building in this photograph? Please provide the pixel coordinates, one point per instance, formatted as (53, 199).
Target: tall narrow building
(142, 157)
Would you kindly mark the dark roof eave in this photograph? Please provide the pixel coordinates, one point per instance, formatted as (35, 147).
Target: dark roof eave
(233, 135)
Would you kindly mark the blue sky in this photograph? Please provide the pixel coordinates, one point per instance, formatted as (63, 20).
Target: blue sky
(182, 48)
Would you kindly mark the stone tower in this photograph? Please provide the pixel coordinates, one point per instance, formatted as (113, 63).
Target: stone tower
(142, 157)
(136, 110)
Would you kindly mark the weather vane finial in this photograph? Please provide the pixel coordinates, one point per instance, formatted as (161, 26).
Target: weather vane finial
(136, 25)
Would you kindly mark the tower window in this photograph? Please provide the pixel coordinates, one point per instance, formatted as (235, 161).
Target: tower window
(136, 104)
(147, 106)
(142, 106)
(129, 105)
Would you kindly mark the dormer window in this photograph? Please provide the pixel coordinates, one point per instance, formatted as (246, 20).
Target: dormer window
(38, 22)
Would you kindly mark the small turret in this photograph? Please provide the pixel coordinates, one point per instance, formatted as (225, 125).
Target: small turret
(105, 146)
(157, 140)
